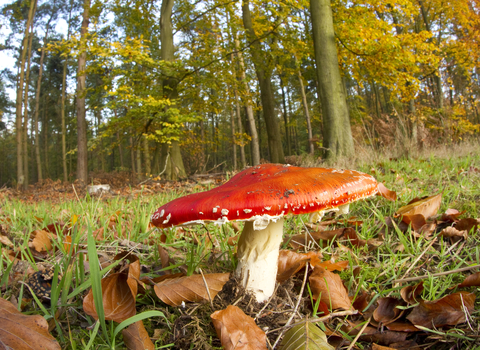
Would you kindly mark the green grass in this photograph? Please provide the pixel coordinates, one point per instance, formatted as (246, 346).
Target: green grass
(449, 173)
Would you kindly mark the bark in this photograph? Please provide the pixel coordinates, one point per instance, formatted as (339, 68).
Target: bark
(82, 155)
(311, 148)
(264, 73)
(171, 158)
(285, 118)
(240, 130)
(234, 144)
(255, 145)
(337, 134)
(37, 103)
(18, 105)
(146, 153)
(25, 113)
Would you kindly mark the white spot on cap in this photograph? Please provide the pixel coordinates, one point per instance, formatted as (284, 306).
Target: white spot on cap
(167, 219)
(268, 208)
(215, 209)
(224, 211)
(161, 213)
(247, 211)
(201, 213)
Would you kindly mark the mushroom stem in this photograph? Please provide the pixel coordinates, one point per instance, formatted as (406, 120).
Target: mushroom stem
(258, 258)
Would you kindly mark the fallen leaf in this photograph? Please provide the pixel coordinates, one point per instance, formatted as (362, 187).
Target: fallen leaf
(374, 335)
(448, 310)
(118, 301)
(237, 330)
(467, 224)
(330, 289)
(471, 281)
(427, 206)
(305, 336)
(4, 240)
(173, 291)
(386, 193)
(387, 311)
(19, 331)
(41, 241)
(452, 232)
(136, 337)
(290, 262)
(410, 293)
(417, 221)
(331, 265)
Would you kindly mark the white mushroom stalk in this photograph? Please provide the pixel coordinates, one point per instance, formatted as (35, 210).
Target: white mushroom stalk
(257, 254)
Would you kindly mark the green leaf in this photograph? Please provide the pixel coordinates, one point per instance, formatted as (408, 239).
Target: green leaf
(305, 336)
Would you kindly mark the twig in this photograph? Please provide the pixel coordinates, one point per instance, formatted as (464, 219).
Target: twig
(208, 291)
(296, 307)
(410, 279)
(267, 303)
(359, 334)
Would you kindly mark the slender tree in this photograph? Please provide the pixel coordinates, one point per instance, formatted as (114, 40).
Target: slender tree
(337, 133)
(82, 154)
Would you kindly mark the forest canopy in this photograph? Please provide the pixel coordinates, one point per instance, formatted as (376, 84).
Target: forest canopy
(175, 87)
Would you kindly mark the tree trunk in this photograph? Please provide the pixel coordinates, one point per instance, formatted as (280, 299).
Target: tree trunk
(25, 113)
(285, 118)
(240, 130)
(266, 92)
(311, 148)
(170, 152)
(249, 109)
(82, 155)
(234, 144)
(337, 135)
(146, 153)
(18, 105)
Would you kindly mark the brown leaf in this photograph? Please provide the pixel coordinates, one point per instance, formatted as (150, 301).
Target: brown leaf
(471, 281)
(133, 277)
(410, 293)
(237, 330)
(416, 220)
(427, 206)
(467, 224)
(452, 232)
(41, 241)
(4, 240)
(173, 291)
(136, 337)
(290, 262)
(329, 287)
(19, 331)
(386, 193)
(387, 311)
(445, 311)
(164, 258)
(118, 301)
(330, 265)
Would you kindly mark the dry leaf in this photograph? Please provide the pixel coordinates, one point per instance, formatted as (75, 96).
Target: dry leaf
(290, 262)
(41, 241)
(448, 310)
(136, 337)
(428, 207)
(471, 281)
(22, 332)
(387, 311)
(386, 193)
(305, 336)
(329, 287)
(452, 232)
(411, 293)
(4, 240)
(173, 291)
(237, 330)
(118, 302)
(330, 265)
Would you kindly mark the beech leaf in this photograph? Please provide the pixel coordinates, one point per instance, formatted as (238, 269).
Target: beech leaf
(387, 311)
(471, 281)
(118, 301)
(386, 193)
(306, 336)
(329, 287)
(237, 330)
(448, 310)
(19, 331)
(428, 207)
(136, 337)
(290, 262)
(173, 291)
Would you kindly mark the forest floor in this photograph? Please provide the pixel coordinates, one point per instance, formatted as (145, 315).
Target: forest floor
(386, 284)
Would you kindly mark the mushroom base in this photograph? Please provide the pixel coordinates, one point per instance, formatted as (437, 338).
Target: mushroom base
(258, 258)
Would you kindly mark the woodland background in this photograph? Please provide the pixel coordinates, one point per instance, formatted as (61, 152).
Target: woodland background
(175, 87)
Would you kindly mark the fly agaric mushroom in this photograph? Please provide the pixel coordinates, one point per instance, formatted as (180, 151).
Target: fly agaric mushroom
(262, 196)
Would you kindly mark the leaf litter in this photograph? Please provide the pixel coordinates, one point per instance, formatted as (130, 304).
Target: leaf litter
(326, 279)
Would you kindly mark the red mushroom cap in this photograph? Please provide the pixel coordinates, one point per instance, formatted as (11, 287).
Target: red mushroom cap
(269, 191)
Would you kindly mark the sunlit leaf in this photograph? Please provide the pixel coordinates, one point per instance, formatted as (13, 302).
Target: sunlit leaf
(237, 330)
(330, 289)
(306, 336)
